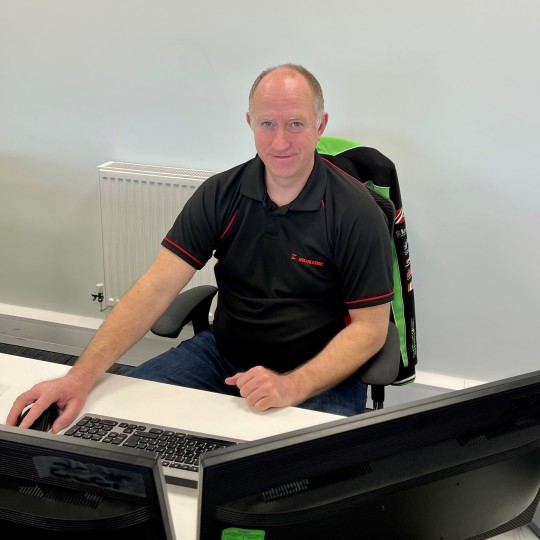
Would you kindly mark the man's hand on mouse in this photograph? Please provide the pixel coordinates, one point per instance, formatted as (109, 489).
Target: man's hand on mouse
(67, 393)
(44, 421)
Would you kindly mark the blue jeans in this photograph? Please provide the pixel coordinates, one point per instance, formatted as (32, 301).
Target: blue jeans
(196, 363)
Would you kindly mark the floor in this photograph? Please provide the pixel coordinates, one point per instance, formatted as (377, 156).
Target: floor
(519, 534)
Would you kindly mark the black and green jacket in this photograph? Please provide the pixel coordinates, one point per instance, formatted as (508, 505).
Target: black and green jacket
(379, 173)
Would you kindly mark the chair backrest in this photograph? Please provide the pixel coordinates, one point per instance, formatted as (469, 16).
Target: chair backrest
(379, 174)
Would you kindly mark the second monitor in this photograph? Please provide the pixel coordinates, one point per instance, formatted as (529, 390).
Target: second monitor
(465, 465)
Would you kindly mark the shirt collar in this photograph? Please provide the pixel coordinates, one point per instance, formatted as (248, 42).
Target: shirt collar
(309, 199)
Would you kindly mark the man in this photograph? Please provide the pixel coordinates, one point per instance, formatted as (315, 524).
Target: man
(304, 275)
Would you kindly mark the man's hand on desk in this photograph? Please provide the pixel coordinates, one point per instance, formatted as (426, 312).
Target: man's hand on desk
(264, 389)
(67, 392)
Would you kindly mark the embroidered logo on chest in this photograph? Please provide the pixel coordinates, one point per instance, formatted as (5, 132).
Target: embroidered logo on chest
(297, 258)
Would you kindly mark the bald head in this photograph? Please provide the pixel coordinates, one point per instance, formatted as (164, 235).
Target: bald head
(291, 71)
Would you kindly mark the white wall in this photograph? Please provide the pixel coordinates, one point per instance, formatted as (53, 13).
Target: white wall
(448, 90)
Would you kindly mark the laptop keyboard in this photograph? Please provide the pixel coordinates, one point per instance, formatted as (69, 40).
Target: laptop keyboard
(178, 450)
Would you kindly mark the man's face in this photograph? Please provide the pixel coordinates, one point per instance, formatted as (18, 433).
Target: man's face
(285, 126)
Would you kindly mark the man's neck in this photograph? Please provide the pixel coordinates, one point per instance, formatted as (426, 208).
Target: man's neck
(283, 192)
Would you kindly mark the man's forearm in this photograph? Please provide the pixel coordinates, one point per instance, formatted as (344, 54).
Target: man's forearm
(133, 316)
(119, 332)
(344, 354)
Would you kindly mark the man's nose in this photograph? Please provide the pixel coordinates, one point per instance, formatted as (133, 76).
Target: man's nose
(281, 140)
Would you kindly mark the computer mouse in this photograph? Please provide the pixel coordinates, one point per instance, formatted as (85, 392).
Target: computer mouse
(43, 422)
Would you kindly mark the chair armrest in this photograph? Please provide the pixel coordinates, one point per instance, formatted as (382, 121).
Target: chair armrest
(191, 305)
(382, 369)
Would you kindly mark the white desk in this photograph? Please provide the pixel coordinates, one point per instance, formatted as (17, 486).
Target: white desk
(163, 404)
(172, 406)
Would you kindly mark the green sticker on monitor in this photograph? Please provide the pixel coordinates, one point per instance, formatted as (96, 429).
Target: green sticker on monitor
(233, 533)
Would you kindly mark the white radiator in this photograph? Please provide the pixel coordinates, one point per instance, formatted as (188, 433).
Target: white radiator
(139, 204)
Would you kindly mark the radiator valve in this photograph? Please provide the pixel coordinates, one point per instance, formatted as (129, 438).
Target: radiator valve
(98, 295)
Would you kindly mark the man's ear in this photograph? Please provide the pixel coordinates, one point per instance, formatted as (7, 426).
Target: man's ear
(248, 119)
(323, 124)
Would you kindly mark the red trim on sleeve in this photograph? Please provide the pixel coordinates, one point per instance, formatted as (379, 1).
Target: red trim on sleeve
(364, 300)
(183, 251)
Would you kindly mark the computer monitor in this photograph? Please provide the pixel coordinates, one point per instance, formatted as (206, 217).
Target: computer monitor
(57, 488)
(463, 465)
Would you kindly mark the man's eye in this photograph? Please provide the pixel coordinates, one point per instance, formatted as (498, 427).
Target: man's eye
(267, 124)
(296, 126)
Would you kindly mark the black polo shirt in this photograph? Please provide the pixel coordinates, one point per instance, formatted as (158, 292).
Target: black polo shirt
(287, 276)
